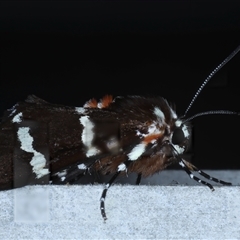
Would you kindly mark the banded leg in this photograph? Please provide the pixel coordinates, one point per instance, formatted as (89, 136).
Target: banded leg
(104, 193)
(194, 168)
(188, 167)
(185, 167)
(122, 167)
(138, 180)
(70, 175)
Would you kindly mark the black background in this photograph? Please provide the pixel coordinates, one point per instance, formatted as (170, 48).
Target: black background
(70, 51)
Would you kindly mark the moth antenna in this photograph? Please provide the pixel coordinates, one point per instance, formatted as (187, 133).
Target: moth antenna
(226, 60)
(212, 112)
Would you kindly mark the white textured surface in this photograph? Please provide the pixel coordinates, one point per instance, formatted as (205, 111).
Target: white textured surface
(134, 212)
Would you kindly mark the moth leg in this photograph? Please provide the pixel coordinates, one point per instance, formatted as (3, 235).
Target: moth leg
(139, 177)
(122, 167)
(190, 174)
(104, 193)
(194, 168)
(68, 176)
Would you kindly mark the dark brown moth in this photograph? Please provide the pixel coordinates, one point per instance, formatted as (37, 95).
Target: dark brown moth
(44, 143)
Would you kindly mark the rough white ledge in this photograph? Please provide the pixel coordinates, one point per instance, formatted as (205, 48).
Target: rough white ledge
(134, 212)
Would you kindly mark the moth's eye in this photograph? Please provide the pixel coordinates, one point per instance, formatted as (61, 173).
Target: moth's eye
(178, 136)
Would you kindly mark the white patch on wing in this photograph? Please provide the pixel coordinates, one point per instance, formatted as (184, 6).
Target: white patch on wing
(112, 143)
(82, 166)
(173, 114)
(137, 151)
(38, 161)
(152, 129)
(159, 113)
(80, 110)
(88, 135)
(92, 151)
(17, 118)
(121, 167)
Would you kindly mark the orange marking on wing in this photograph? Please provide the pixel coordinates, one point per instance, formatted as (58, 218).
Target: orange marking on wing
(106, 101)
(151, 137)
(92, 103)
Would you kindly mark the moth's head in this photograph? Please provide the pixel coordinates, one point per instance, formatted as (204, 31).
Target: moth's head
(176, 132)
(180, 136)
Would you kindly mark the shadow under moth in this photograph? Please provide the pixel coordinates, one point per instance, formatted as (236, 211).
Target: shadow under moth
(44, 143)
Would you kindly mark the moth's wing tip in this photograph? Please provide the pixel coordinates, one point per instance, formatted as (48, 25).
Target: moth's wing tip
(34, 99)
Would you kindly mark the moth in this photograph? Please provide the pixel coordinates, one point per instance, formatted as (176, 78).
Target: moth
(44, 143)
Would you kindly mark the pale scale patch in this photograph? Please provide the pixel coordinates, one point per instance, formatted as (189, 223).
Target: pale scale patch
(173, 114)
(38, 161)
(181, 164)
(86, 105)
(80, 110)
(62, 173)
(185, 131)
(137, 151)
(178, 123)
(100, 105)
(112, 143)
(88, 135)
(92, 151)
(159, 113)
(121, 167)
(13, 109)
(152, 129)
(82, 166)
(179, 149)
(17, 118)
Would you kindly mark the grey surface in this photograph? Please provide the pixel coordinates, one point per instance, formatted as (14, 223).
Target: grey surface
(139, 212)
(180, 177)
